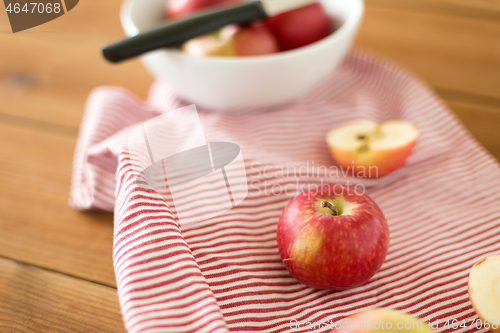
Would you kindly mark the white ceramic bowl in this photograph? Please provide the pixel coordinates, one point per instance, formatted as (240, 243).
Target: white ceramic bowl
(245, 82)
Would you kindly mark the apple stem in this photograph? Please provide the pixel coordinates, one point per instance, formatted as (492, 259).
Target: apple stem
(329, 205)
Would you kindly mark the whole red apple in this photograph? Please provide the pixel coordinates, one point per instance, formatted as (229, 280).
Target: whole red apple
(300, 27)
(232, 41)
(333, 238)
(176, 9)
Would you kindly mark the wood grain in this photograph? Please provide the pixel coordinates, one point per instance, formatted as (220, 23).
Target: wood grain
(483, 122)
(35, 300)
(53, 67)
(480, 8)
(37, 225)
(449, 52)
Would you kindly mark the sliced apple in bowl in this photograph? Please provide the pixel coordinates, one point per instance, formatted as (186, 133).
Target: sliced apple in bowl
(368, 149)
(484, 291)
(234, 41)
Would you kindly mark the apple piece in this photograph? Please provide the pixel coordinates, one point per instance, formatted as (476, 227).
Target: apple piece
(233, 40)
(368, 149)
(254, 40)
(219, 43)
(300, 27)
(333, 238)
(484, 291)
(381, 320)
(177, 9)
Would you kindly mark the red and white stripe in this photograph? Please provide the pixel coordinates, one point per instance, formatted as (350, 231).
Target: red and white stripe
(225, 274)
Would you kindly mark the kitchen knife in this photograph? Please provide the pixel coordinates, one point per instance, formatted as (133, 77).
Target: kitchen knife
(175, 33)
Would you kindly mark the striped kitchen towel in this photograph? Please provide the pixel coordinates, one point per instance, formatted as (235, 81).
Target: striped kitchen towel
(225, 274)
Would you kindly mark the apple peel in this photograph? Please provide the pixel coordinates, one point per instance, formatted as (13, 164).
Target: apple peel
(484, 290)
(334, 238)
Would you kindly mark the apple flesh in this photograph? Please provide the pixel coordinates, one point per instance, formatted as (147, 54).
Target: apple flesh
(371, 150)
(381, 321)
(177, 9)
(300, 27)
(484, 291)
(333, 238)
(233, 40)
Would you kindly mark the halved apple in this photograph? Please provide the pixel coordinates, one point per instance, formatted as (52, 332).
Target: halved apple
(368, 149)
(484, 291)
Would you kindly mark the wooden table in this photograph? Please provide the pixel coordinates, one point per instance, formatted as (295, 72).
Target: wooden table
(56, 271)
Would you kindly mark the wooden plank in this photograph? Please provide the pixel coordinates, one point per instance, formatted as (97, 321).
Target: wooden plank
(47, 72)
(483, 122)
(479, 8)
(37, 226)
(36, 300)
(450, 52)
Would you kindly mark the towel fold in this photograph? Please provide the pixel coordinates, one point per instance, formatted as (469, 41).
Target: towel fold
(225, 274)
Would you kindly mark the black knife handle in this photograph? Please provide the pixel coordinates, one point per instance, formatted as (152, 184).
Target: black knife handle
(176, 32)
